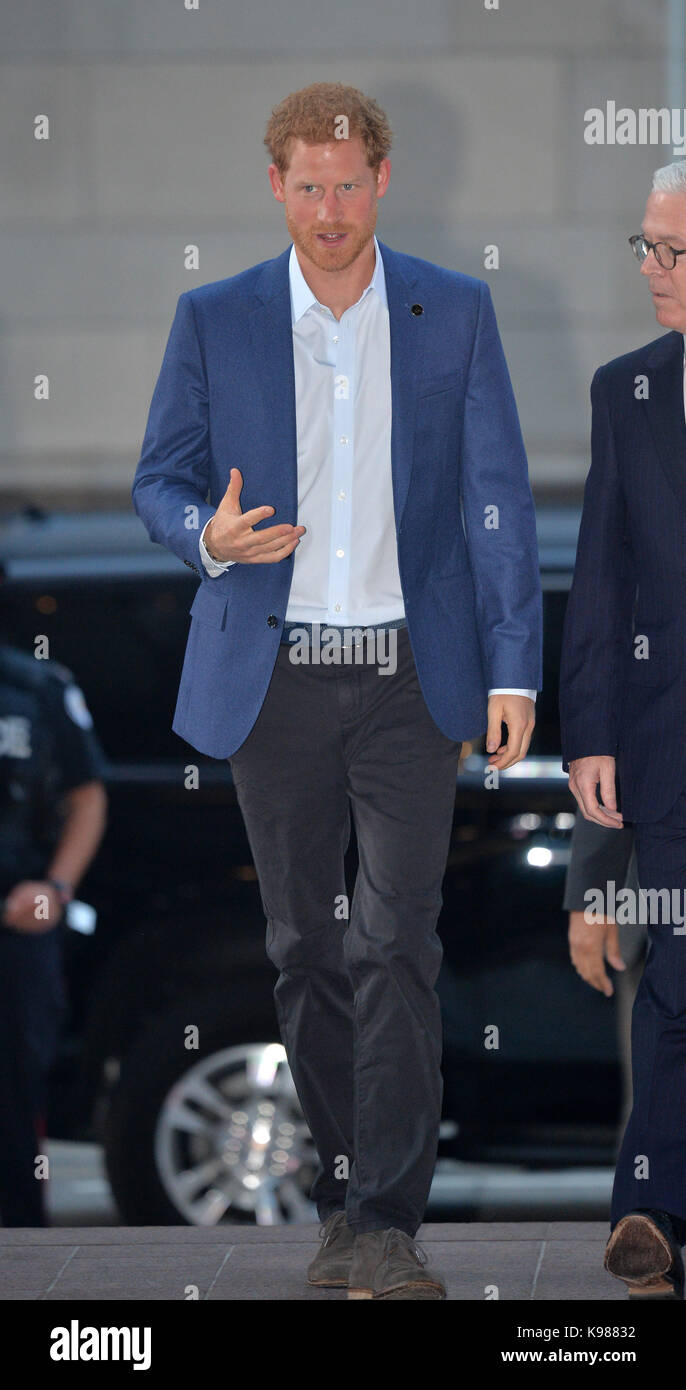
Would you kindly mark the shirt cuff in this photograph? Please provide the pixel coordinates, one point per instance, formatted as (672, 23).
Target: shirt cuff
(214, 567)
(505, 690)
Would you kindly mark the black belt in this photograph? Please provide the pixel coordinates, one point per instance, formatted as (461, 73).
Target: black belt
(310, 629)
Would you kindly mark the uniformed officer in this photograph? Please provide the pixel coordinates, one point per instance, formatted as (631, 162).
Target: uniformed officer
(52, 818)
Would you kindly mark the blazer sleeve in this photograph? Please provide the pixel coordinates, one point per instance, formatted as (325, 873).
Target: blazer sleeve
(499, 516)
(173, 474)
(598, 621)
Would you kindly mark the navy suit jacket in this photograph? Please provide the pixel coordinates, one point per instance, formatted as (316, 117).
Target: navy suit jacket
(624, 643)
(225, 398)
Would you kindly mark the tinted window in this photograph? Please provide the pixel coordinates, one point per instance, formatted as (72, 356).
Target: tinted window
(124, 643)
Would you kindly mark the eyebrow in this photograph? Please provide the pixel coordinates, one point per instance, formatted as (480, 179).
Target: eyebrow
(304, 183)
(666, 236)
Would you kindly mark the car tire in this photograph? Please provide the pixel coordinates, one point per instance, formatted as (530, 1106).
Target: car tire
(152, 1150)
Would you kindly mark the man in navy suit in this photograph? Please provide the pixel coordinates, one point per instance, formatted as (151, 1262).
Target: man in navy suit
(369, 599)
(623, 710)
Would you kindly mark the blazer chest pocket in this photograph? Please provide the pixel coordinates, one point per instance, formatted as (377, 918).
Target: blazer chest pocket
(437, 420)
(209, 606)
(436, 386)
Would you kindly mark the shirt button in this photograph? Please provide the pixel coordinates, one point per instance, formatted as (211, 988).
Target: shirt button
(337, 608)
(343, 439)
(341, 496)
(340, 553)
(335, 340)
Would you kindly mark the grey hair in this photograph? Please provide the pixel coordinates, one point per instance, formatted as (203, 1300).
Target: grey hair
(671, 178)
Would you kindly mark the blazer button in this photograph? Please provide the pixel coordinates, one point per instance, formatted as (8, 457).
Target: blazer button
(272, 621)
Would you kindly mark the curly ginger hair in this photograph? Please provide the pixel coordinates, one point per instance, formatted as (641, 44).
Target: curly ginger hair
(314, 113)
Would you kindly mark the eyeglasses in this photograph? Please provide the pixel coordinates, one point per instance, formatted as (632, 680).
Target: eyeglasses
(664, 254)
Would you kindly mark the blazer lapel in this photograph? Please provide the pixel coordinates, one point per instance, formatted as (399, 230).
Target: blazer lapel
(665, 410)
(271, 340)
(408, 336)
(273, 375)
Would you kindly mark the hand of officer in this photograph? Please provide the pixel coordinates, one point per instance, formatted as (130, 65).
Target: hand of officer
(518, 712)
(21, 907)
(229, 535)
(584, 776)
(590, 945)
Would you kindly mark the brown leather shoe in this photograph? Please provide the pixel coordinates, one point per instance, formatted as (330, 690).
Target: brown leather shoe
(331, 1265)
(390, 1264)
(644, 1252)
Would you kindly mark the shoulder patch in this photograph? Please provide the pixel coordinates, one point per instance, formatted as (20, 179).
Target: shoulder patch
(76, 707)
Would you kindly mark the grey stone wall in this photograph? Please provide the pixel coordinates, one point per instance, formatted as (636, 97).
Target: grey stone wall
(156, 118)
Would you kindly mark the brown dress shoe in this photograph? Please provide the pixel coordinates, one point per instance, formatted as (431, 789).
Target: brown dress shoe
(390, 1264)
(644, 1252)
(331, 1265)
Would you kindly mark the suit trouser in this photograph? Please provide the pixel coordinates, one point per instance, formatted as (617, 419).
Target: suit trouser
(358, 1013)
(32, 1010)
(651, 1167)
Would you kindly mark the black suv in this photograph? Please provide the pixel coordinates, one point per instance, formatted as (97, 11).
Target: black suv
(171, 1055)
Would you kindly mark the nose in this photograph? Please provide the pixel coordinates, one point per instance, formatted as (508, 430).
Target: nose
(651, 266)
(328, 207)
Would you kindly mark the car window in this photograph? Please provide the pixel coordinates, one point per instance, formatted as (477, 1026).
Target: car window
(124, 642)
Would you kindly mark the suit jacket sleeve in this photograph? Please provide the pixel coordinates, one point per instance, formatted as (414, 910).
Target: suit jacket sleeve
(173, 474)
(503, 557)
(598, 621)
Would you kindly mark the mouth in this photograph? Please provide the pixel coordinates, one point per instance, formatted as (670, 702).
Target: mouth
(331, 238)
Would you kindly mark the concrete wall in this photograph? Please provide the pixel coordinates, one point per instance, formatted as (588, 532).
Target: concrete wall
(157, 117)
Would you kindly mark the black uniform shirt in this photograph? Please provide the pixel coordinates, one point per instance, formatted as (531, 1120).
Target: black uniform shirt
(47, 746)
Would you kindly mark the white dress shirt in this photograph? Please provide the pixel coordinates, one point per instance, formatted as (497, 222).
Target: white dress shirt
(345, 569)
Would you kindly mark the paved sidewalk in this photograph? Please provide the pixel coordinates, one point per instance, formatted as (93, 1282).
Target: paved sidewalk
(525, 1260)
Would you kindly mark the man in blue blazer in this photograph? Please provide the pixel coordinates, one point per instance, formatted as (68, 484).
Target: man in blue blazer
(622, 711)
(333, 446)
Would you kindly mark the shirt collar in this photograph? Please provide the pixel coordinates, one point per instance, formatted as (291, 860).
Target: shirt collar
(302, 297)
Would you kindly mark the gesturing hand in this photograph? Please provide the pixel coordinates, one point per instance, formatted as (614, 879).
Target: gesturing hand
(230, 535)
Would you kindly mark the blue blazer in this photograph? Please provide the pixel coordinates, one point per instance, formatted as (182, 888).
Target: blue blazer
(619, 695)
(225, 398)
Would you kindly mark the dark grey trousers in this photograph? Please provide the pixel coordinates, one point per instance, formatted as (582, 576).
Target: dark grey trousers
(358, 1013)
